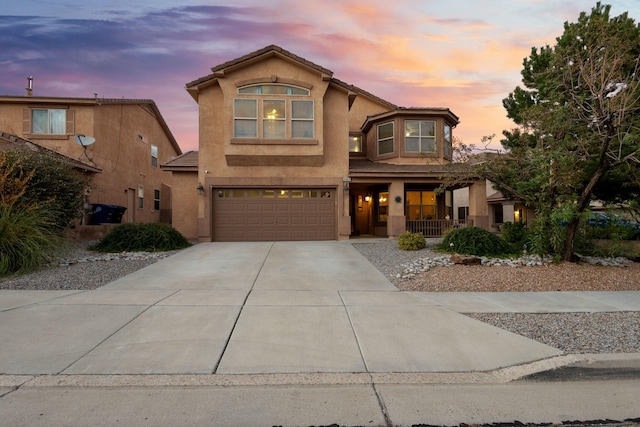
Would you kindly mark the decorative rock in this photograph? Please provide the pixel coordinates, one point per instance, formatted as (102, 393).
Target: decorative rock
(465, 259)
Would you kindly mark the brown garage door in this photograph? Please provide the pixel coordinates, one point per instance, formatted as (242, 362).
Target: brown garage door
(258, 214)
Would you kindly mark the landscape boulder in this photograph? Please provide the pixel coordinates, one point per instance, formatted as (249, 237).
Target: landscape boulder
(465, 259)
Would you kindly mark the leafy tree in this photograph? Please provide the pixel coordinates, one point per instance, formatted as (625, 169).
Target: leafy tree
(578, 134)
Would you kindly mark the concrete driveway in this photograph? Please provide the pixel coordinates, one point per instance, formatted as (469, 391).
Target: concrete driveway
(249, 308)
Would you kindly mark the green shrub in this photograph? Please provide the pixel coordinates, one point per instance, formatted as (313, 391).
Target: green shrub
(27, 235)
(514, 232)
(27, 229)
(153, 237)
(409, 241)
(53, 182)
(475, 241)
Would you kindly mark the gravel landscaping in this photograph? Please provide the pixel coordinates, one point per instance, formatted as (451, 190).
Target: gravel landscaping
(429, 271)
(423, 271)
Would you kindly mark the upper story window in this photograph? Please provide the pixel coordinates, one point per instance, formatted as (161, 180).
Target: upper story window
(154, 156)
(301, 119)
(355, 144)
(448, 141)
(275, 116)
(273, 89)
(50, 122)
(385, 138)
(420, 136)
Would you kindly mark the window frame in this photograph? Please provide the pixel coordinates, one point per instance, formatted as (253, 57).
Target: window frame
(422, 205)
(385, 139)
(306, 120)
(140, 196)
(273, 119)
(154, 156)
(156, 199)
(448, 142)
(299, 123)
(360, 145)
(49, 130)
(422, 139)
(245, 119)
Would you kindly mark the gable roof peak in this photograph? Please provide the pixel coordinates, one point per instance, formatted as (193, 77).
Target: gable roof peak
(219, 70)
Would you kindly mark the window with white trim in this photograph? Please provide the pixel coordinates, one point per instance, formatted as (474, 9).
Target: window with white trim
(154, 156)
(245, 118)
(140, 196)
(448, 141)
(48, 121)
(274, 118)
(420, 136)
(385, 138)
(280, 118)
(301, 119)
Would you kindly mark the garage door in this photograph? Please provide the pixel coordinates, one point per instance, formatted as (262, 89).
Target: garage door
(258, 214)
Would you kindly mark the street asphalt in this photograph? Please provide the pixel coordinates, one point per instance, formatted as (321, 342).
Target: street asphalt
(294, 334)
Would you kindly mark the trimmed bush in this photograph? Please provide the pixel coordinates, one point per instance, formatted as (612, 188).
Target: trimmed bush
(475, 241)
(151, 237)
(409, 241)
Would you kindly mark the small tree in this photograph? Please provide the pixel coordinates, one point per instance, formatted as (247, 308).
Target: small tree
(579, 127)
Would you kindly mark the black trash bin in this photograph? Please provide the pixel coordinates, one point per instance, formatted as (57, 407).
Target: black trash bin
(106, 214)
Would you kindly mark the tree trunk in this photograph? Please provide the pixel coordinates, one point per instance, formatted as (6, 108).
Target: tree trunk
(572, 228)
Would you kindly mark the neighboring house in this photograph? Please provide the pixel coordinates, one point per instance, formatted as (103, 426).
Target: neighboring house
(499, 208)
(287, 152)
(131, 141)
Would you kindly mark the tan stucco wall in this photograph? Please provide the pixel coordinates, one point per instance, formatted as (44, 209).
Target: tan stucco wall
(331, 130)
(185, 203)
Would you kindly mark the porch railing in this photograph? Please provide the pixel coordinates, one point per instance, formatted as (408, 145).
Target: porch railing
(436, 227)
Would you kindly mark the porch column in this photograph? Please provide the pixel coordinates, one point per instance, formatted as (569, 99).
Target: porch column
(508, 209)
(478, 208)
(396, 220)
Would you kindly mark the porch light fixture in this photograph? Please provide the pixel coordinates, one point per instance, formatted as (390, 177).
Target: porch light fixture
(200, 189)
(346, 187)
(367, 198)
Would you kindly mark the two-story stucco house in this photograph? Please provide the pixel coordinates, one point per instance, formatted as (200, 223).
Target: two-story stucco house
(288, 152)
(131, 137)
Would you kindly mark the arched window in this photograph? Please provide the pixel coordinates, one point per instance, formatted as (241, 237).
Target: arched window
(273, 89)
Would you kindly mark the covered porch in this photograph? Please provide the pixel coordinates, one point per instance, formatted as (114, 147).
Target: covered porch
(385, 200)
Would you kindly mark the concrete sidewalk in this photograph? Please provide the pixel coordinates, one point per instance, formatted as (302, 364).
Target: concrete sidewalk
(262, 327)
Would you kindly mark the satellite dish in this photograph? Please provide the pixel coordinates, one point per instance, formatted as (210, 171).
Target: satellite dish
(83, 140)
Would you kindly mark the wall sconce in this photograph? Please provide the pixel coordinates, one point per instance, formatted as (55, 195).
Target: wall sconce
(346, 187)
(200, 189)
(367, 198)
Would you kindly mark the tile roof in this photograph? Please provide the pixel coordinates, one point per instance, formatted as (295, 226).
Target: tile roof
(368, 168)
(185, 162)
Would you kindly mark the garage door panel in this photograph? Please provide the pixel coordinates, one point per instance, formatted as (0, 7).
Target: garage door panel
(296, 214)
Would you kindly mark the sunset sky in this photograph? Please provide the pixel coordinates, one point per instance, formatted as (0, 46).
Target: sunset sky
(462, 54)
